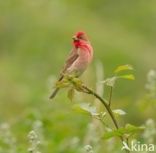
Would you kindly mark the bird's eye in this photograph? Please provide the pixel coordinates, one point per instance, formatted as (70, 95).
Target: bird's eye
(80, 37)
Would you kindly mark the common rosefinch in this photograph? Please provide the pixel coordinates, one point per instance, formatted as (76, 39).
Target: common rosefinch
(79, 58)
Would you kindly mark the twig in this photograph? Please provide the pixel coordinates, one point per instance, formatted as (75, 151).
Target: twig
(104, 102)
(106, 105)
(82, 88)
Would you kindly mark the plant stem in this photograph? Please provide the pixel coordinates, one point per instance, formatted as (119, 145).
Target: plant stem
(104, 102)
(106, 105)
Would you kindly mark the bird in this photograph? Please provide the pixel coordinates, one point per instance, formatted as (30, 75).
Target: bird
(78, 59)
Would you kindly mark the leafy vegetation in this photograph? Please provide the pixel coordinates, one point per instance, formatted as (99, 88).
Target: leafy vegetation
(35, 38)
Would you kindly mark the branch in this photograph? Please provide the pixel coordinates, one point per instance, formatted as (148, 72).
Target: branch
(87, 90)
(104, 102)
(80, 87)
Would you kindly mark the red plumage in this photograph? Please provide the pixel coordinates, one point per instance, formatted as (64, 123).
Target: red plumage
(79, 58)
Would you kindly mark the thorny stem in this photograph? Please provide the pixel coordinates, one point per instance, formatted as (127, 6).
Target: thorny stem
(106, 105)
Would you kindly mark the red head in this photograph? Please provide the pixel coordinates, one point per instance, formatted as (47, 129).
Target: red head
(80, 38)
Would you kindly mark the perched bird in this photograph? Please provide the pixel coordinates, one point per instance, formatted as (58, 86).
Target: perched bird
(79, 58)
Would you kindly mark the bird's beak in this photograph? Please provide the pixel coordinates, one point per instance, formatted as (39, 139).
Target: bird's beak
(74, 38)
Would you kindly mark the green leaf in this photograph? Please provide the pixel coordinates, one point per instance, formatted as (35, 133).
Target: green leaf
(62, 84)
(71, 94)
(119, 112)
(123, 68)
(77, 84)
(128, 76)
(86, 108)
(128, 129)
(78, 109)
(110, 81)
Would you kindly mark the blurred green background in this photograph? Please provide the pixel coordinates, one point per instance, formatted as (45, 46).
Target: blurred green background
(35, 38)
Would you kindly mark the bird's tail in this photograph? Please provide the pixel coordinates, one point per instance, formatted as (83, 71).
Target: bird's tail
(56, 90)
(54, 93)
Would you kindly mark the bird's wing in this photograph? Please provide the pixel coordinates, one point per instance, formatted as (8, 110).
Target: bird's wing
(71, 59)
